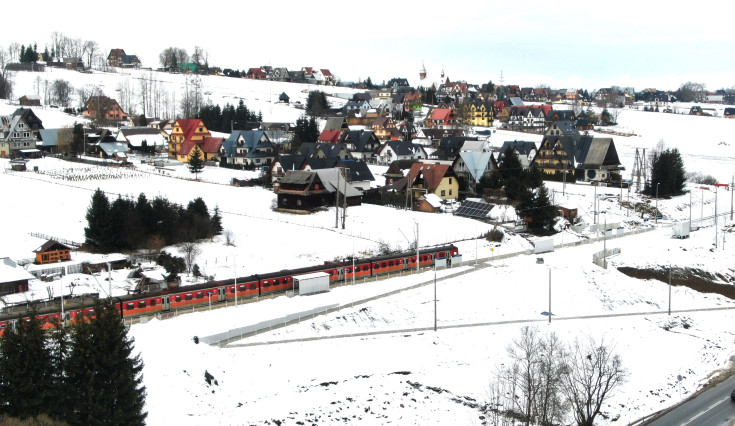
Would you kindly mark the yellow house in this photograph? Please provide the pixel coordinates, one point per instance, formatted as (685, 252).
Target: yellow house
(478, 113)
(191, 130)
(436, 179)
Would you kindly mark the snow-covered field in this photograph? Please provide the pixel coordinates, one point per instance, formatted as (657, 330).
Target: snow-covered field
(407, 377)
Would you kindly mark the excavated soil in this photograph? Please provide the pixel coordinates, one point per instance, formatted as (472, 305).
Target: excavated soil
(696, 279)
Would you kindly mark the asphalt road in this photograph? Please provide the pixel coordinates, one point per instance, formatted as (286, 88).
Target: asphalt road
(712, 407)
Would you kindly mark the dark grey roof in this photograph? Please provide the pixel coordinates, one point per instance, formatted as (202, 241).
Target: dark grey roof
(291, 161)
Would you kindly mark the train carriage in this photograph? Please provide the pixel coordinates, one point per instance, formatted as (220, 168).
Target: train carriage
(155, 302)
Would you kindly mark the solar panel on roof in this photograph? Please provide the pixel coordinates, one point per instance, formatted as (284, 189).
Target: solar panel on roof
(474, 209)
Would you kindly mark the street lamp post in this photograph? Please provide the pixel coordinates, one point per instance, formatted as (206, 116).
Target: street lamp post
(235, 258)
(657, 184)
(549, 295)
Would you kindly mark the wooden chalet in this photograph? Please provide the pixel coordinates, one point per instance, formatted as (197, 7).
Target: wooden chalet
(52, 251)
(310, 190)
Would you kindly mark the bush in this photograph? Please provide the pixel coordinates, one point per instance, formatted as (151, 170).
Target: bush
(496, 235)
(701, 178)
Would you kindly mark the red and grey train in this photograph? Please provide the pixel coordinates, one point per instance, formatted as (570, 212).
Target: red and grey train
(161, 301)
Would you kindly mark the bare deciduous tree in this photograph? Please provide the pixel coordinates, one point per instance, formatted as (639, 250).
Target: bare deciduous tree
(593, 371)
(524, 372)
(191, 252)
(229, 237)
(90, 50)
(549, 402)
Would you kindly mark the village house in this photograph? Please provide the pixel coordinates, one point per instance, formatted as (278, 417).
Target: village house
(432, 178)
(104, 109)
(248, 147)
(395, 150)
(310, 190)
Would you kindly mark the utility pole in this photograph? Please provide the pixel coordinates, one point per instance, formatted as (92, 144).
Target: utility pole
(549, 295)
(594, 203)
(336, 203)
(732, 189)
(418, 263)
(669, 288)
(344, 197)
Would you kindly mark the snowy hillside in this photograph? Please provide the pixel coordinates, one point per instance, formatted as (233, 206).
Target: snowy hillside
(326, 369)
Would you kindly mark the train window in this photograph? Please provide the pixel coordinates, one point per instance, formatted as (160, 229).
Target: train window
(200, 295)
(276, 281)
(265, 284)
(129, 306)
(253, 286)
(244, 287)
(390, 263)
(90, 313)
(141, 304)
(153, 302)
(382, 265)
(178, 298)
(188, 297)
(376, 266)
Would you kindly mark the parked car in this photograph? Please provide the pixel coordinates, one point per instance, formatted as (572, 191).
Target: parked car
(732, 395)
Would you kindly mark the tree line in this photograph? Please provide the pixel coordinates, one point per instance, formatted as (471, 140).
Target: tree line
(229, 118)
(126, 225)
(547, 381)
(84, 374)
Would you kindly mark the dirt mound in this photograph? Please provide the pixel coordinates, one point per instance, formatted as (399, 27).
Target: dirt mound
(696, 279)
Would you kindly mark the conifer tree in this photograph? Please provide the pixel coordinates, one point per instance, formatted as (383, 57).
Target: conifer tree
(25, 369)
(667, 170)
(103, 372)
(98, 221)
(196, 161)
(216, 222)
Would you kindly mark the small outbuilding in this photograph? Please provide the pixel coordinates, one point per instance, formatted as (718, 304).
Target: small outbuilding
(52, 251)
(13, 278)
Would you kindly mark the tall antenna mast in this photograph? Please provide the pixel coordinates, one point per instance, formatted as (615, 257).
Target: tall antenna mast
(640, 170)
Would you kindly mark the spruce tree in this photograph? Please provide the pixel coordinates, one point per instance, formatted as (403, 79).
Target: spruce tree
(98, 221)
(196, 161)
(216, 222)
(667, 171)
(25, 369)
(104, 373)
(60, 402)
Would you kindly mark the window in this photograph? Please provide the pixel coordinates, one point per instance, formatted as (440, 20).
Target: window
(153, 302)
(450, 192)
(253, 286)
(443, 193)
(178, 298)
(141, 304)
(188, 297)
(129, 306)
(450, 181)
(200, 295)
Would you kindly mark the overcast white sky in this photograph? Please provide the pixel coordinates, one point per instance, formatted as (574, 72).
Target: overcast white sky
(574, 44)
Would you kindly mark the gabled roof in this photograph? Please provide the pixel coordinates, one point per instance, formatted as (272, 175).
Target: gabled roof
(597, 152)
(136, 135)
(51, 245)
(211, 145)
(432, 173)
(441, 114)
(330, 149)
(49, 137)
(361, 139)
(291, 161)
(189, 126)
(10, 271)
(563, 115)
(330, 180)
(402, 147)
(358, 170)
(566, 127)
(336, 123)
(114, 149)
(330, 136)
(521, 147)
(477, 162)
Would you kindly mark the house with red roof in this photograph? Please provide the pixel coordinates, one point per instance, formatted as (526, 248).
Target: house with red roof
(441, 118)
(433, 178)
(189, 132)
(256, 74)
(331, 136)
